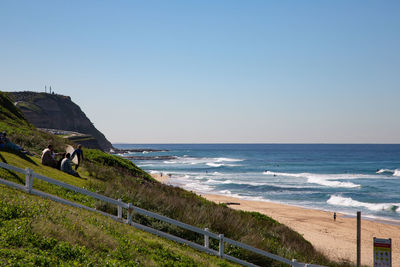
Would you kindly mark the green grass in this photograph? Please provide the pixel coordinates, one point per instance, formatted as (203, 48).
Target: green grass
(33, 163)
(22, 132)
(123, 180)
(39, 232)
(81, 137)
(10, 113)
(32, 96)
(118, 166)
(29, 106)
(120, 178)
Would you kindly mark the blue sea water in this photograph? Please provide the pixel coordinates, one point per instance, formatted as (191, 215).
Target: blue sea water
(335, 177)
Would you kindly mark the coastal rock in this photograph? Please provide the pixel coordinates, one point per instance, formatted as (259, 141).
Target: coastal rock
(55, 111)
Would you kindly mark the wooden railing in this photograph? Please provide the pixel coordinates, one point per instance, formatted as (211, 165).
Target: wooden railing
(28, 187)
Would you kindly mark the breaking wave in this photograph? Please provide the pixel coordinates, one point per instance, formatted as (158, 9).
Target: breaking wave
(349, 202)
(216, 165)
(385, 171)
(395, 172)
(323, 179)
(211, 162)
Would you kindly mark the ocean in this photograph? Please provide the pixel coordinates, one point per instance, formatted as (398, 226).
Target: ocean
(342, 178)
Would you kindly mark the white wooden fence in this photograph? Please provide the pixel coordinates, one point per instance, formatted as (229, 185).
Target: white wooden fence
(29, 174)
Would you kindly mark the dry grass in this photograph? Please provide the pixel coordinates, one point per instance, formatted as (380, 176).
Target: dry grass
(249, 227)
(72, 229)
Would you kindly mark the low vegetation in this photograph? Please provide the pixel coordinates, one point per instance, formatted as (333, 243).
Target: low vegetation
(22, 132)
(39, 232)
(251, 228)
(120, 178)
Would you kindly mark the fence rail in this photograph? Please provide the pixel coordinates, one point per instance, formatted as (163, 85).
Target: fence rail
(29, 174)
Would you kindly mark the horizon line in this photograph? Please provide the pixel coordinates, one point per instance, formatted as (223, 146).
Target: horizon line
(256, 143)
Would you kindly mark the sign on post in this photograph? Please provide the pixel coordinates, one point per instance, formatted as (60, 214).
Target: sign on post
(382, 252)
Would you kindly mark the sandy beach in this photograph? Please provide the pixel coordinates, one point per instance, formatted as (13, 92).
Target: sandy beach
(336, 239)
(161, 177)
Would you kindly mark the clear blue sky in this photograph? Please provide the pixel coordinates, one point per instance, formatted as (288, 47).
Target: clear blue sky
(213, 71)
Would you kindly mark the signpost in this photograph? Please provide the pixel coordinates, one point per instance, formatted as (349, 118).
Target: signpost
(358, 238)
(382, 252)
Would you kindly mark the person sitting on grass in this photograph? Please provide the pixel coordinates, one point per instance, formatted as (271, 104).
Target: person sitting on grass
(60, 160)
(5, 143)
(66, 165)
(49, 157)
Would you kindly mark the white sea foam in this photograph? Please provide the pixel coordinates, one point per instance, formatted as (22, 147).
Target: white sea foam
(323, 179)
(258, 198)
(146, 165)
(216, 182)
(326, 176)
(190, 182)
(216, 165)
(212, 181)
(349, 202)
(212, 162)
(251, 198)
(227, 160)
(395, 172)
(249, 183)
(197, 187)
(170, 162)
(230, 194)
(329, 183)
(385, 171)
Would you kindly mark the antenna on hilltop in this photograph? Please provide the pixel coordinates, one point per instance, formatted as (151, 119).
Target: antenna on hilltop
(50, 89)
(45, 89)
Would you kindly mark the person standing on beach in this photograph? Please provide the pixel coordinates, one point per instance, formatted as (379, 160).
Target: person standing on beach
(79, 153)
(334, 216)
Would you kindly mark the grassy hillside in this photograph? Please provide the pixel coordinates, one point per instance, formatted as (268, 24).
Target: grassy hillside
(120, 178)
(22, 132)
(39, 232)
(249, 227)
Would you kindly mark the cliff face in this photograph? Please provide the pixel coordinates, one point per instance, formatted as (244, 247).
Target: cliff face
(58, 112)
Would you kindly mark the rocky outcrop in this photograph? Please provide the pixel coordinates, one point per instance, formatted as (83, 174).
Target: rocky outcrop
(58, 112)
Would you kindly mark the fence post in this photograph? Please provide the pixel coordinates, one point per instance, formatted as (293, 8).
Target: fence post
(28, 180)
(294, 260)
(206, 239)
(119, 208)
(221, 246)
(130, 212)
